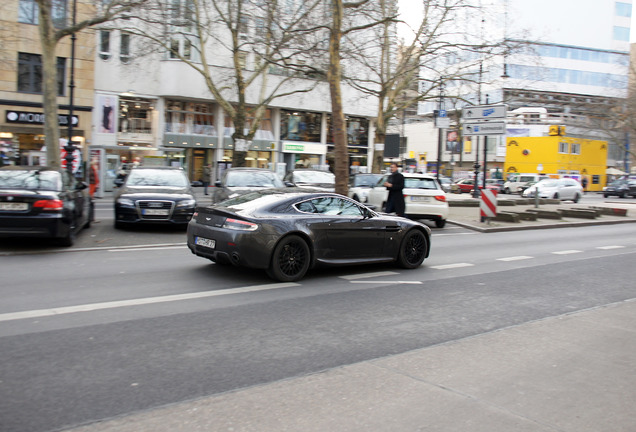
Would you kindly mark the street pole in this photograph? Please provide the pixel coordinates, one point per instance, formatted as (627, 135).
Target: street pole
(70, 147)
(440, 132)
(483, 180)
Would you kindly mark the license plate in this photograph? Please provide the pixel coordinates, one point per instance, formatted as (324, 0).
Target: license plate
(420, 198)
(14, 206)
(155, 212)
(202, 241)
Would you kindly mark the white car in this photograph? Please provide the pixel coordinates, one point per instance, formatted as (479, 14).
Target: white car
(423, 196)
(360, 184)
(562, 189)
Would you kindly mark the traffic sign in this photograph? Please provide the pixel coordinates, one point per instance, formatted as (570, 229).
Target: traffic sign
(484, 112)
(441, 113)
(484, 128)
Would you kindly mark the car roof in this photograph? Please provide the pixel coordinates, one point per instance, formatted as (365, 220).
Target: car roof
(160, 167)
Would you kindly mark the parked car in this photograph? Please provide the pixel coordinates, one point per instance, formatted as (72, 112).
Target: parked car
(237, 181)
(620, 188)
(154, 195)
(360, 184)
(311, 178)
(495, 185)
(515, 181)
(43, 202)
(289, 231)
(423, 196)
(463, 186)
(445, 183)
(562, 189)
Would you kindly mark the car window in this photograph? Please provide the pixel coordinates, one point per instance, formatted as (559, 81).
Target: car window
(30, 179)
(314, 177)
(252, 179)
(336, 206)
(420, 183)
(157, 177)
(365, 180)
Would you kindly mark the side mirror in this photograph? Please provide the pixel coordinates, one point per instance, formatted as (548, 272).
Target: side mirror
(118, 182)
(217, 183)
(289, 184)
(196, 183)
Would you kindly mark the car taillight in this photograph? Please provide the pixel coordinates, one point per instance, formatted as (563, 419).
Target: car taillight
(441, 198)
(50, 205)
(240, 225)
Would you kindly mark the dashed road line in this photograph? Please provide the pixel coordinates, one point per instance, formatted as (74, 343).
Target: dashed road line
(452, 266)
(368, 275)
(515, 258)
(610, 247)
(567, 252)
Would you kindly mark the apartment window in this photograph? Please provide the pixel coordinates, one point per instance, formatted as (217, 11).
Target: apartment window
(623, 9)
(563, 147)
(104, 44)
(243, 27)
(242, 59)
(124, 48)
(28, 12)
(621, 33)
(575, 149)
(30, 73)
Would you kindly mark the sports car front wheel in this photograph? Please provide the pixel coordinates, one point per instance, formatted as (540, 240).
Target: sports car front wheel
(412, 250)
(290, 260)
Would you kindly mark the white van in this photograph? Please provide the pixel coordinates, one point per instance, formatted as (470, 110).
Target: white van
(516, 181)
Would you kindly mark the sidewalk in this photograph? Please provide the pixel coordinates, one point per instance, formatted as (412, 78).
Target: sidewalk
(571, 373)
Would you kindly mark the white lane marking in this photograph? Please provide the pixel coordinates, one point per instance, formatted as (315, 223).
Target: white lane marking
(454, 234)
(515, 258)
(451, 266)
(610, 247)
(567, 252)
(136, 302)
(368, 275)
(388, 282)
(147, 249)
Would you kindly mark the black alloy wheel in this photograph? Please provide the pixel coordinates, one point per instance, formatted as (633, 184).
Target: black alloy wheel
(290, 260)
(412, 250)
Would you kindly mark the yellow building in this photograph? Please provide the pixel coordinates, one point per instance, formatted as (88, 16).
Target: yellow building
(558, 156)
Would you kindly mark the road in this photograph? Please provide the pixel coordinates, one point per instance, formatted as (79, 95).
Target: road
(100, 332)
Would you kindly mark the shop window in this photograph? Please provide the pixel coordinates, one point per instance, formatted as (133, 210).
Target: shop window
(104, 44)
(357, 131)
(264, 131)
(135, 116)
(30, 73)
(300, 126)
(190, 118)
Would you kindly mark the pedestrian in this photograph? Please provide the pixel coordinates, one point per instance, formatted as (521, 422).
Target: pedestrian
(207, 174)
(93, 178)
(584, 184)
(395, 185)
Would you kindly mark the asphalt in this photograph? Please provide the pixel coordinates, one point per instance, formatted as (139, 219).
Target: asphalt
(570, 373)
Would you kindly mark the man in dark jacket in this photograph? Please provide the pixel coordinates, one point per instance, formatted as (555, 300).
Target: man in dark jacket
(395, 185)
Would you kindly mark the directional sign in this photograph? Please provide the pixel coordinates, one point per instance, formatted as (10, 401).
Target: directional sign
(484, 112)
(485, 128)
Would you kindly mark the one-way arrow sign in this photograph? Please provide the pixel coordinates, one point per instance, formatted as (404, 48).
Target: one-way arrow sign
(484, 112)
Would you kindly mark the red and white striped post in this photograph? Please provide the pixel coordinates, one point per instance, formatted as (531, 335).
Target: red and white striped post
(488, 204)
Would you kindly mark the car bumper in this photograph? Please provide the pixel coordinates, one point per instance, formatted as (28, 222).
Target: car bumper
(231, 247)
(42, 226)
(132, 215)
(427, 211)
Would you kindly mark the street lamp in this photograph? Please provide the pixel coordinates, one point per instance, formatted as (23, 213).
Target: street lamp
(70, 147)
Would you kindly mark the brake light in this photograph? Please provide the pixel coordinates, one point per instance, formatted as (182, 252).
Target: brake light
(441, 198)
(240, 225)
(50, 205)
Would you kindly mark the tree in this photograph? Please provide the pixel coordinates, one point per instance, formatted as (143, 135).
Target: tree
(271, 52)
(51, 32)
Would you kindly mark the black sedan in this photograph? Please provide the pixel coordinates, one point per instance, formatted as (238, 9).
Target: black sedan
(42, 202)
(154, 195)
(288, 231)
(237, 181)
(620, 188)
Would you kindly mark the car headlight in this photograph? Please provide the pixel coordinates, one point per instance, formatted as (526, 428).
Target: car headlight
(126, 202)
(187, 203)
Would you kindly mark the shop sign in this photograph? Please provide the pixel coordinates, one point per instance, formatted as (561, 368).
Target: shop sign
(294, 147)
(307, 148)
(25, 117)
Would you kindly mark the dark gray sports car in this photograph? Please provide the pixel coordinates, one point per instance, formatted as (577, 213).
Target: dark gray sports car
(288, 231)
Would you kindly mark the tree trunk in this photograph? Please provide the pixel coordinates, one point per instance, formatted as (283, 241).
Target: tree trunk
(337, 113)
(49, 85)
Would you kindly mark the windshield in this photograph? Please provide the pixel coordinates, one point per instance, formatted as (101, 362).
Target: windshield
(253, 179)
(314, 177)
(157, 177)
(30, 179)
(547, 183)
(420, 183)
(365, 180)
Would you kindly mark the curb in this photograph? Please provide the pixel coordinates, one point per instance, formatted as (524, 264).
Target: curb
(532, 227)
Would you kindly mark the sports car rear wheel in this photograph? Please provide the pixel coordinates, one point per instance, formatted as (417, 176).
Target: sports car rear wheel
(412, 250)
(290, 260)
